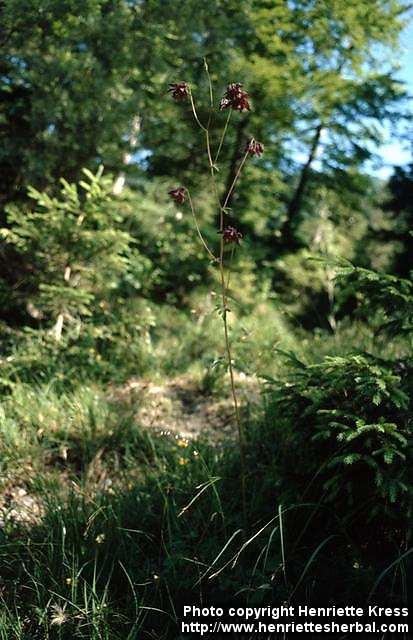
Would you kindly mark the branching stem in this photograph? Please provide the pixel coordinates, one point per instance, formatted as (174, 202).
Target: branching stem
(221, 264)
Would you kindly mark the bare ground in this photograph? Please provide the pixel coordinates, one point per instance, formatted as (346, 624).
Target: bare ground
(177, 407)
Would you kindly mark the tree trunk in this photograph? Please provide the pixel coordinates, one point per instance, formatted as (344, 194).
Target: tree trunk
(295, 205)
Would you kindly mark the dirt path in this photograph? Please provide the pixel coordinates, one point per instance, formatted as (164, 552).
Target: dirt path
(180, 406)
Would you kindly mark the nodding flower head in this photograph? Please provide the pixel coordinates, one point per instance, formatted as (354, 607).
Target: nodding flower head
(254, 148)
(179, 91)
(231, 235)
(178, 194)
(235, 97)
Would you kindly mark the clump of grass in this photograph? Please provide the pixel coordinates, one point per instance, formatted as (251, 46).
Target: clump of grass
(82, 435)
(121, 560)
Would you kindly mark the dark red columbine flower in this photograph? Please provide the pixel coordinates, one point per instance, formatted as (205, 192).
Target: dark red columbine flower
(235, 97)
(254, 148)
(178, 194)
(179, 91)
(231, 234)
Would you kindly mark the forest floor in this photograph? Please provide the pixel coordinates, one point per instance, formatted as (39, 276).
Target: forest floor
(180, 406)
(177, 408)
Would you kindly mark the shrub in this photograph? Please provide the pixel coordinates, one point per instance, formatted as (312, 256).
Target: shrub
(76, 249)
(80, 283)
(342, 427)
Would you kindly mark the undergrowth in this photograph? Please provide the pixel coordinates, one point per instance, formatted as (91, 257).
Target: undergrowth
(136, 524)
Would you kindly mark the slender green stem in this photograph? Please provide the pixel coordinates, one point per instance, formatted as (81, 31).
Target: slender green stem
(211, 112)
(224, 284)
(197, 120)
(211, 94)
(208, 145)
(240, 427)
(237, 175)
(224, 293)
(204, 129)
(221, 142)
(229, 267)
(201, 237)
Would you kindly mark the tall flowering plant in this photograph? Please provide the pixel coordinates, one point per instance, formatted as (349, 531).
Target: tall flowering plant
(235, 98)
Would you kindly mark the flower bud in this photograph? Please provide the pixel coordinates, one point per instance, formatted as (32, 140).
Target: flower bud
(254, 148)
(235, 97)
(178, 194)
(179, 91)
(231, 235)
